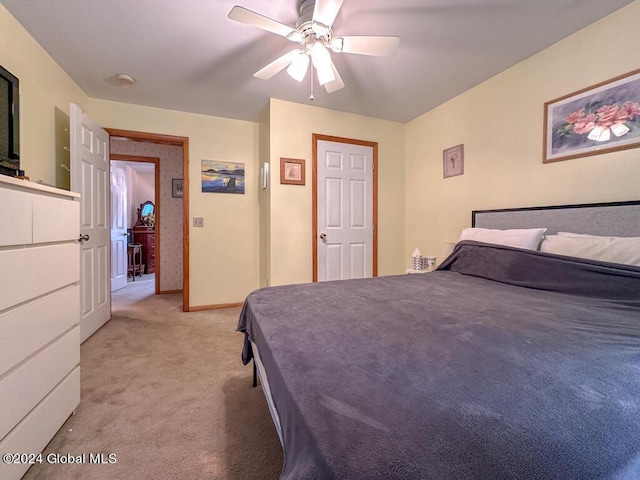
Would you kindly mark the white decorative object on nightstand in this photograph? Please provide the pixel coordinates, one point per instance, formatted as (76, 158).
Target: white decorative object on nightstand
(411, 270)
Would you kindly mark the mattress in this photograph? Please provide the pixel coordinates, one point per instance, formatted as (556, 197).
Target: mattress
(503, 363)
(264, 382)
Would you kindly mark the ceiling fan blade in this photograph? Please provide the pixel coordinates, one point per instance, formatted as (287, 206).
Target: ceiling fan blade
(375, 45)
(249, 17)
(325, 11)
(336, 84)
(277, 65)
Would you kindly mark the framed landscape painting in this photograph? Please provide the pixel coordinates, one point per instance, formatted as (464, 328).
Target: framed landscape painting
(222, 177)
(598, 119)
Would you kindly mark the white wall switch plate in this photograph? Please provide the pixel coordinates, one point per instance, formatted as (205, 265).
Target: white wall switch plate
(198, 221)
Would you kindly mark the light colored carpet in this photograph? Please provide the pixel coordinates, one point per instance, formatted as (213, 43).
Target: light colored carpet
(166, 392)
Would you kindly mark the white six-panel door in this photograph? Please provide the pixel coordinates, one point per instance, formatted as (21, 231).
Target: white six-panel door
(90, 178)
(345, 216)
(119, 261)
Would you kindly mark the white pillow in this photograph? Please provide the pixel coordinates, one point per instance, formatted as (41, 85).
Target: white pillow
(528, 238)
(624, 250)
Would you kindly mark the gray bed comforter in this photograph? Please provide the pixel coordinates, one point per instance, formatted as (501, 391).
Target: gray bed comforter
(502, 364)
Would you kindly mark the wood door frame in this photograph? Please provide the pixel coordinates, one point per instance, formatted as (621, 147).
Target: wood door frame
(316, 137)
(184, 143)
(118, 157)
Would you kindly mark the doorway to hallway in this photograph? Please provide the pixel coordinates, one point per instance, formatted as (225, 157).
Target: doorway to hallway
(174, 222)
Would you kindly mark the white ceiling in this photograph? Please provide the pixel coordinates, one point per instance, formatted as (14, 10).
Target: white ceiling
(187, 55)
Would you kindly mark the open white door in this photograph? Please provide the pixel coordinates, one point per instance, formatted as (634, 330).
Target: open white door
(90, 178)
(345, 214)
(118, 228)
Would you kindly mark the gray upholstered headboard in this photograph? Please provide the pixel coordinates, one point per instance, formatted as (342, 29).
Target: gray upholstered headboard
(621, 219)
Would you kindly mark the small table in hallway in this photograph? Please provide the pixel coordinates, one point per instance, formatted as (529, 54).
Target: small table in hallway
(134, 255)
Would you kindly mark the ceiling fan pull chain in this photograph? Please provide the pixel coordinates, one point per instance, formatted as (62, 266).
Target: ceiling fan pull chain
(312, 98)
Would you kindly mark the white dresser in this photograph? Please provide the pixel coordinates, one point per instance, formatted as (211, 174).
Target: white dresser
(39, 316)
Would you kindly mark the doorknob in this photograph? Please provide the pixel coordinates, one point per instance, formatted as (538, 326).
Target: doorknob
(323, 235)
(83, 238)
(125, 234)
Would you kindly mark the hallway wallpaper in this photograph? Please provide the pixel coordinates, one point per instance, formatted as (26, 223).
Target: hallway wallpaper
(170, 208)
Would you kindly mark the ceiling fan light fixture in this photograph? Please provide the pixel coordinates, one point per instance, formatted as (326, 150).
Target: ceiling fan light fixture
(325, 74)
(321, 59)
(314, 33)
(298, 68)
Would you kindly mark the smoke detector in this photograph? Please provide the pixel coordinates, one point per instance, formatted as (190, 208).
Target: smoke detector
(124, 79)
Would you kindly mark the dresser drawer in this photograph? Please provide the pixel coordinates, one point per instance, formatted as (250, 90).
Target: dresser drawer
(36, 430)
(148, 240)
(27, 385)
(55, 219)
(16, 212)
(38, 270)
(31, 326)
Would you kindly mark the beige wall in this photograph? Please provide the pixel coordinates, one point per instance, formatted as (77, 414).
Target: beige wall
(45, 94)
(292, 126)
(224, 255)
(265, 199)
(500, 124)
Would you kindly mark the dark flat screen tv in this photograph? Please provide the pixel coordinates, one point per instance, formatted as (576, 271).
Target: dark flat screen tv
(9, 123)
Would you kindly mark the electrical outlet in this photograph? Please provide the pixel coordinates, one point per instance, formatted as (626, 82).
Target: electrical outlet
(198, 221)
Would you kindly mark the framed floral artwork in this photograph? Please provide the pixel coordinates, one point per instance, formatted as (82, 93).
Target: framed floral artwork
(292, 171)
(453, 161)
(598, 119)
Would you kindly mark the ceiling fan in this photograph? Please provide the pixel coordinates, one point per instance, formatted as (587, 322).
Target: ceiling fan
(314, 34)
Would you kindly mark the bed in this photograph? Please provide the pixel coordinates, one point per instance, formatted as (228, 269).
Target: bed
(504, 363)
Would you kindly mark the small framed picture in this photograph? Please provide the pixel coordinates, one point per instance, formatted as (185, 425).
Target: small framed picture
(453, 161)
(291, 171)
(177, 188)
